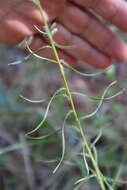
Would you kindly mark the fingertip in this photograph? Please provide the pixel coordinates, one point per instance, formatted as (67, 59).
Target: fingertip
(122, 54)
(117, 49)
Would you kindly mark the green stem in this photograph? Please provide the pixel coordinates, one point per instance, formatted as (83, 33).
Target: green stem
(54, 49)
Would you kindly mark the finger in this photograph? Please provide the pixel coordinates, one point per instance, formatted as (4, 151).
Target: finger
(53, 7)
(14, 28)
(18, 20)
(30, 11)
(81, 49)
(113, 10)
(40, 42)
(87, 26)
(5, 6)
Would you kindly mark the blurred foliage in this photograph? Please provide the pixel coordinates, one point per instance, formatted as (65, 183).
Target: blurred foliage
(28, 164)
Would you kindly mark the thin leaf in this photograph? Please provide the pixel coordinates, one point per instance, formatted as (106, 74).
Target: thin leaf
(118, 174)
(63, 141)
(100, 104)
(20, 61)
(84, 74)
(40, 57)
(85, 161)
(97, 98)
(44, 136)
(84, 179)
(32, 54)
(95, 154)
(39, 30)
(46, 112)
(17, 146)
(41, 100)
(97, 138)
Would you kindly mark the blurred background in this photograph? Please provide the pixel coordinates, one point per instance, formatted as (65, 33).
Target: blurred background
(28, 164)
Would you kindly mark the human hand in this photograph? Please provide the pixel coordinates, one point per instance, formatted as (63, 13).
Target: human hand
(18, 17)
(80, 21)
(95, 42)
(19, 24)
(16, 20)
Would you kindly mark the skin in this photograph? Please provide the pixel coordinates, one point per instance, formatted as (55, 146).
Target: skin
(92, 41)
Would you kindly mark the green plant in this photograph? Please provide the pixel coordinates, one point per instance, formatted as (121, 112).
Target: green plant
(89, 151)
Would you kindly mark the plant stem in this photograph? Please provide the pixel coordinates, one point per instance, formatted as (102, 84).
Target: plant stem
(54, 49)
